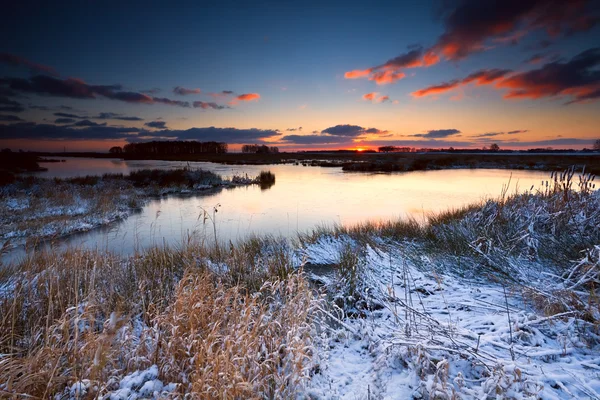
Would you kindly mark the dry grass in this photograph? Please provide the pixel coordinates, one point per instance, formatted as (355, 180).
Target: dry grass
(220, 324)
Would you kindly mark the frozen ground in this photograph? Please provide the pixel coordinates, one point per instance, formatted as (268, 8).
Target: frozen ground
(431, 335)
(47, 209)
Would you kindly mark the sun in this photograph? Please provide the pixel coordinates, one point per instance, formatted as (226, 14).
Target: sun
(360, 149)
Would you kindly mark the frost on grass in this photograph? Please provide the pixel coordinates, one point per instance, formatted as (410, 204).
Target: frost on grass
(494, 301)
(498, 302)
(34, 209)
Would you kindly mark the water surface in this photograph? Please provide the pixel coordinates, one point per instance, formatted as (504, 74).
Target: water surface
(302, 198)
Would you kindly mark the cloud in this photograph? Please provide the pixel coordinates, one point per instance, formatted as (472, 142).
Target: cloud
(344, 130)
(150, 91)
(157, 124)
(245, 97)
(536, 59)
(9, 118)
(206, 105)
(294, 129)
(314, 139)
(103, 116)
(78, 89)
(13, 60)
(373, 97)
(438, 133)
(473, 23)
(481, 77)
(577, 79)
(375, 131)
(8, 105)
(391, 70)
(472, 26)
(493, 134)
(64, 120)
(370, 96)
(489, 134)
(229, 135)
(184, 91)
(87, 122)
(222, 94)
(32, 131)
(68, 115)
(115, 116)
(357, 73)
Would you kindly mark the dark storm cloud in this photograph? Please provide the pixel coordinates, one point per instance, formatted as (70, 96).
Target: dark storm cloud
(438, 133)
(157, 124)
(78, 89)
(14, 60)
(206, 105)
(9, 118)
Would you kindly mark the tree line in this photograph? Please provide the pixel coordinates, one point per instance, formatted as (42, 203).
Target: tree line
(171, 147)
(259, 149)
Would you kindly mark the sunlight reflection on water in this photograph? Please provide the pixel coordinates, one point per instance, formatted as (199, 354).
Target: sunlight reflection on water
(302, 198)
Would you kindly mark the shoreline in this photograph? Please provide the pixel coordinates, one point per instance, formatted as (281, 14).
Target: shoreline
(473, 304)
(37, 209)
(386, 162)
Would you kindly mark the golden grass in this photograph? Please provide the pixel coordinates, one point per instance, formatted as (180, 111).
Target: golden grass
(239, 332)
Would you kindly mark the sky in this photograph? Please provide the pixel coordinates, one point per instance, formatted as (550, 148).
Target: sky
(89, 75)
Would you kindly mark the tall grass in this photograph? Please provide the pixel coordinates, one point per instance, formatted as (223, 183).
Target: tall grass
(221, 324)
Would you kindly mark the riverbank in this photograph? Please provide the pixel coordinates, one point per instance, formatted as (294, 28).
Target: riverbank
(388, 162)
(493, 300)
(33, 209)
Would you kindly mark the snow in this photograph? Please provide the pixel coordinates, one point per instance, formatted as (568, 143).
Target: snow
(430, 349)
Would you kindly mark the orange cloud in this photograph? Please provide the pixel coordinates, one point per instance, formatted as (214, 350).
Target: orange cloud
(357, 73)
(386, 76)
(370, 96)
(245, 97)
(482, 77)
(248, 97)
(391, 71)
(374, 98)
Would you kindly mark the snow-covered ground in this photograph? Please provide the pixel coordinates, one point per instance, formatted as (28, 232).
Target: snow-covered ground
(44, 208)
(431, 335)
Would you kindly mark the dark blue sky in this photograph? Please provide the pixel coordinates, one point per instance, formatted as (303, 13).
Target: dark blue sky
(290, 64)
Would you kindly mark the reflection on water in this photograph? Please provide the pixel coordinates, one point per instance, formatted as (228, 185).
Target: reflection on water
(303, 198)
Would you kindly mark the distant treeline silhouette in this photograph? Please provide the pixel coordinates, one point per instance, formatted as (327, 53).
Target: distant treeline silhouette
(171, 147)
(259, 149)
